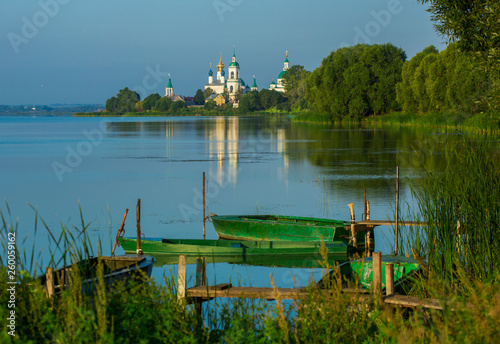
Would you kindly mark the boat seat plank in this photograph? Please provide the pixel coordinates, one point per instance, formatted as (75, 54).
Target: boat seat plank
(390, 223)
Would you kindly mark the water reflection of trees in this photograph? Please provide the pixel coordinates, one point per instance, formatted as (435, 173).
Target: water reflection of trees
(367, 157)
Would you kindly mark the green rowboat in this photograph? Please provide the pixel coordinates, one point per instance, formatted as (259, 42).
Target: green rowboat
(287, 228)
(230, 248)
(362, 270)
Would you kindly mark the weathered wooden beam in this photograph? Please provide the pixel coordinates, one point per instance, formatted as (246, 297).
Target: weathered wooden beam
(181, 278)
(353, 226)
(226, 291)
(377, 273)
(138, 216)
(390, 223)
(396, 230)
(412, 301)
(389, 279)
(49, 277)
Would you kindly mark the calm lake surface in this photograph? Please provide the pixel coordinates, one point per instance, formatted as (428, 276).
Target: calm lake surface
(254, 165)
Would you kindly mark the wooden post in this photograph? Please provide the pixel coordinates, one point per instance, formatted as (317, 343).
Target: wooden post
(138, 216)
(353, 225)
(397, 212)
(199, 280)
(367, 235)
(364, 206)
(49, 277)
(200, 272)
(120, 231)
(377, 272)
(389, 279)
(204, 217)
(181, 278)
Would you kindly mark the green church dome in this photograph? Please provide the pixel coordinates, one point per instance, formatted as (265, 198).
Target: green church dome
(282, 74)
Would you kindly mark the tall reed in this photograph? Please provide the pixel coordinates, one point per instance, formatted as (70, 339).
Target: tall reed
(462, 207)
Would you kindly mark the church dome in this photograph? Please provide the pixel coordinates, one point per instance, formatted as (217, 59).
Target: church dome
(210, 73)
(282, 74)
(242, 83)
(234, 64)
(222, 72)
(220, 66)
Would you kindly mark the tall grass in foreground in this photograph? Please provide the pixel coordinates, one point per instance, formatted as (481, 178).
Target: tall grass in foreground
(149, 312)
(462, 206)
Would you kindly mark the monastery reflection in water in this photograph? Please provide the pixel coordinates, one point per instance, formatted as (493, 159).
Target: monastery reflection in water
(226, 145)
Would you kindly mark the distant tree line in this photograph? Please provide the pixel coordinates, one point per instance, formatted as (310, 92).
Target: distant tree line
(130, 101)
(55, 109)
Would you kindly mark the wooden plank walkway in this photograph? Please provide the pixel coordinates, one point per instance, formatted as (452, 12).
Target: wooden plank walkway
(206, 293)
(200, 293)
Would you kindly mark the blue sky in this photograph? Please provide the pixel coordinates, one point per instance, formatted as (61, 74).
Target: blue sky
(84, 51)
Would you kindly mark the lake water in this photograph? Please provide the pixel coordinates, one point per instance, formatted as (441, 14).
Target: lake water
(254, 165)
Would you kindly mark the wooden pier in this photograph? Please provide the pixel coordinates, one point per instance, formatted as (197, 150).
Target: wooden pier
(200, 292)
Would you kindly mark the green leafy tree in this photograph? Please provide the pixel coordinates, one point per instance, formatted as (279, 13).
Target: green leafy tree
(199, 97)
(163, 104)
(404, 90)
(138, 106)
(207, 93)
(210, 105)
(357, 81)
(445, 81)
(270, 98)
(475, 26)
(111, 104)
(295, 81)
(250, 102)
(178, 106)
(150, 101)
(124, 101)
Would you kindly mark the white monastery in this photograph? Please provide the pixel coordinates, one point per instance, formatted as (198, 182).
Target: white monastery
(233, 84)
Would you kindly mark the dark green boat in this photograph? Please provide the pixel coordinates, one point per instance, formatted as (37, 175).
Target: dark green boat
(362, 270)
(230, 248)
(286, 228)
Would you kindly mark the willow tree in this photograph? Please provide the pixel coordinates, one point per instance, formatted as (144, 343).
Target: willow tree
(357, 81)
(475, 26)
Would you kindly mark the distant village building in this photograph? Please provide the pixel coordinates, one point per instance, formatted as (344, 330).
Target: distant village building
(220, 100)
(169, 91)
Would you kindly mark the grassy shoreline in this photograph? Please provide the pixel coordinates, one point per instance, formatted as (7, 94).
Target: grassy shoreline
(476, 122)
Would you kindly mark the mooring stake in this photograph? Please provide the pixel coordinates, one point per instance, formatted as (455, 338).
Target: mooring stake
(138, 215)
(120, 231)
(397, 212)
(353, 226)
